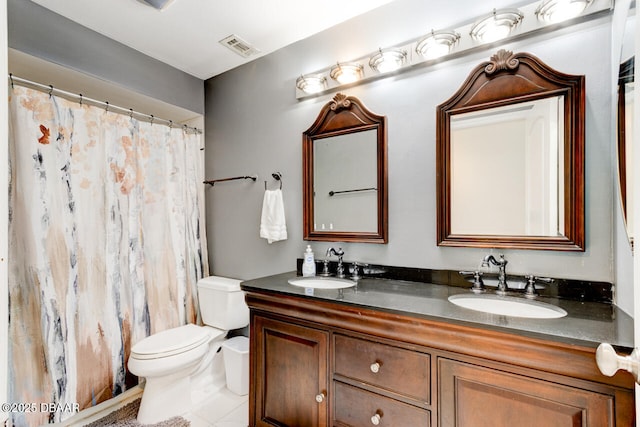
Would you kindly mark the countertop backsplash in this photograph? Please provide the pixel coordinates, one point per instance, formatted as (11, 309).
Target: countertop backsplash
(578, 290)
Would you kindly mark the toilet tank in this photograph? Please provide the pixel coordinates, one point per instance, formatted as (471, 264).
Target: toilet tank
(222, 303)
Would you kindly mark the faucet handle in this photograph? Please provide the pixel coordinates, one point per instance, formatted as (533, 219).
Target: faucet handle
(355, 270)
(468, 272)
(530, 288)
(325, 268)
(478, 284)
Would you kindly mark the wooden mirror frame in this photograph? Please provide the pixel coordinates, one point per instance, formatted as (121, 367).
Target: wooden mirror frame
(510, 78)
(626, 75)
(344, 115)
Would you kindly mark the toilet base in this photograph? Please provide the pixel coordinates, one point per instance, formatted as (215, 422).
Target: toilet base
(208, 382)
(165, 397)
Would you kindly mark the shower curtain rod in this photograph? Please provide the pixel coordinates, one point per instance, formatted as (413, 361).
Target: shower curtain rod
(106, 105)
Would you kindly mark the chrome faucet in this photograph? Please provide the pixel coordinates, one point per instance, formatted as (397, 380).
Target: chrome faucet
(502, 275)
(339, 253)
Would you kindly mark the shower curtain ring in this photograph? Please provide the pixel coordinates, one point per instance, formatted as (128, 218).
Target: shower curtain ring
(151, 120)
(11, 79)
(170, 124)
(80, 99)
(106, 106)
(50, 91)
(131, 113)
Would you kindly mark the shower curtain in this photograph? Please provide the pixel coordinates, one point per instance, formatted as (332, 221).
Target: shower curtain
(106, 246)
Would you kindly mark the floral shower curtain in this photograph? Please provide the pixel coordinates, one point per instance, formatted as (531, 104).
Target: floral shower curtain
(106, 246)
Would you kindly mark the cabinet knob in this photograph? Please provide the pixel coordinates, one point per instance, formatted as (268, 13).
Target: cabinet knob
(375, 367)
(320, 397)
(375, 419)
(609, 362)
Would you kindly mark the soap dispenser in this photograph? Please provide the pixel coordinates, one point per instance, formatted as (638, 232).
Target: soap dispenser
(309, 263)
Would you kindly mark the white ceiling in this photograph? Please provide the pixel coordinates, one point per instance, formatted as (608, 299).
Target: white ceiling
(186, 34)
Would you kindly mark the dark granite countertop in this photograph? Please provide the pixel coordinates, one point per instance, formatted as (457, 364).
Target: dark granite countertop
(587, 323)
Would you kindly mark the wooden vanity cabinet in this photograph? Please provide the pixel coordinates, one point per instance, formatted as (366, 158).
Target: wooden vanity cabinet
(289, 374)
(478, 396)
(317, 363)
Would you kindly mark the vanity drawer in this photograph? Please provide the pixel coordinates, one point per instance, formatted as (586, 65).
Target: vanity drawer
(391, 368)
(356, 407)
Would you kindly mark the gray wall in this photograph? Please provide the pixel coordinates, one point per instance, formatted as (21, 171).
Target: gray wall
(254, 124)
(44, 34)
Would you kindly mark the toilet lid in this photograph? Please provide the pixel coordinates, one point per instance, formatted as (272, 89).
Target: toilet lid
(172, 341)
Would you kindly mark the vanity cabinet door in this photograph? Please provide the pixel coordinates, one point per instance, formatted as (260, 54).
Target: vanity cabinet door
(290, 374)
(478, 396)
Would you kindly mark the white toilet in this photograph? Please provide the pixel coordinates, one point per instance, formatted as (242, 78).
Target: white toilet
(183, 365)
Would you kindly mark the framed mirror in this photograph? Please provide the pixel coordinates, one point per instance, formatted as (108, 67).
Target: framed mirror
(510, 158)
(625, 130)
(344, 158)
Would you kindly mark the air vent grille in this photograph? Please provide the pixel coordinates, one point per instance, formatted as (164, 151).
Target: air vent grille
(239, 46)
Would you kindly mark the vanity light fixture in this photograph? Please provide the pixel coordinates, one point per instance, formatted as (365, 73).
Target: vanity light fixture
(495, 26)
(517, 22)
(311, 83)
(561, 10)
(347, 72)
(388, 60)
(437, 44)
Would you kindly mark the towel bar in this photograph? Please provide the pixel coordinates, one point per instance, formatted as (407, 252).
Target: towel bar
(213, 181)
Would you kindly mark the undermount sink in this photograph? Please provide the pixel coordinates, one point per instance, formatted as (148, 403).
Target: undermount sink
(322, 282)
(508, 306)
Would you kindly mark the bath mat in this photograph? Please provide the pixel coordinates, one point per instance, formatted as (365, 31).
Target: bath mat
(126, 417)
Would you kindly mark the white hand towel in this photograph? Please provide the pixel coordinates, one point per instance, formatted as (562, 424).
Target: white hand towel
(272, 223)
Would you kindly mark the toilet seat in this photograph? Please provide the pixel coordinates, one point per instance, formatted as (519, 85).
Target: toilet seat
(174, 341)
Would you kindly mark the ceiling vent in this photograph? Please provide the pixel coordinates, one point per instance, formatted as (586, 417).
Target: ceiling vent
(157, 4)
(239, 46)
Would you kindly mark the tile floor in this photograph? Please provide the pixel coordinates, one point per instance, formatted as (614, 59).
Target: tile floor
(223, 409)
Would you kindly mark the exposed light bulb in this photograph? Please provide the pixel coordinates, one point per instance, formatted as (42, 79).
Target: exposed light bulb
(561, 10)
(496, 26)
(311, 84)
(437, 44)
(346, 73)
(386, 61)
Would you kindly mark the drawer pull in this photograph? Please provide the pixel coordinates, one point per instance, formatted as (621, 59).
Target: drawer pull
(375, 420)
(320, 397)
(375, 367)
